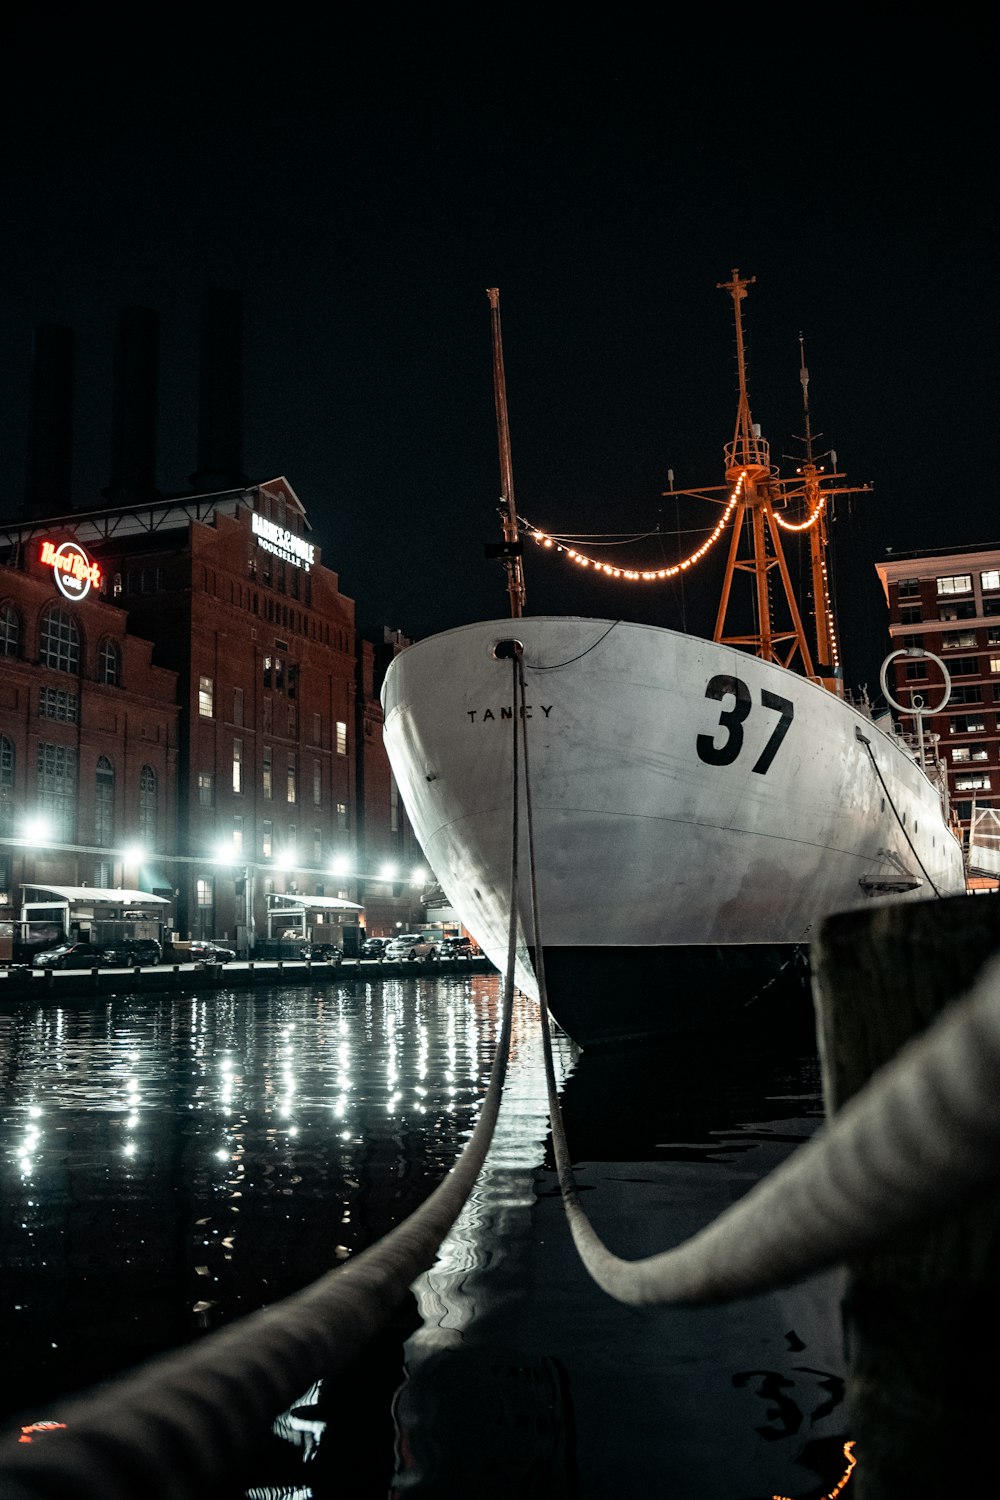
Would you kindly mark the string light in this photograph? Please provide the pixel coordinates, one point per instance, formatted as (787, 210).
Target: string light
(851, 1461)
(831, 631)
(809, 523)
(641, 575)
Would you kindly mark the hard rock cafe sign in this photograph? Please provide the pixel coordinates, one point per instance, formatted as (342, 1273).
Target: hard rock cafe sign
(75, 573)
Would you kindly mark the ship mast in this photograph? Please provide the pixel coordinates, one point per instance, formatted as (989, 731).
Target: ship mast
(826, 646)
(748, 465)
(510, 552)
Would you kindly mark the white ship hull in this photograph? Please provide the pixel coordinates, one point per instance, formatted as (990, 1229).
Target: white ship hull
(697, 812)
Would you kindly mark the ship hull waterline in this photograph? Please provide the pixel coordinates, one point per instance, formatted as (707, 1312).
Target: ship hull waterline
(697, 812)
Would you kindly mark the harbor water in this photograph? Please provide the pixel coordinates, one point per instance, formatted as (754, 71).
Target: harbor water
(174, 1162)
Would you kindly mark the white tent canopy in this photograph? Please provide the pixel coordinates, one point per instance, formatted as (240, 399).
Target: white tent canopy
(97, 894)
(315, 903)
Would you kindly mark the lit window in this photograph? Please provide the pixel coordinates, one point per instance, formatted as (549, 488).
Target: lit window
(56, 703)
(341, 814)
(104, 803)
(317, 784)
(991, 579)
(57, 787)
(979, 783)
(206, 694)
(341, 737)
(237, 765)
(267, 838)
(291, 782)
(952, 639)
(205, 788)
(958, 583)
(147, 806)
(995, 663)
(109, 664)
(10, 631)
(6, 786)
(59, 643)
(268, 777)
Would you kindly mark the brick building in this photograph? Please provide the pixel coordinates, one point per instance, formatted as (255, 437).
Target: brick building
(217, 656)
(88, 728)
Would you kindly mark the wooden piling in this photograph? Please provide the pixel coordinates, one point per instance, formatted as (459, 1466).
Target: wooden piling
(922, 1314)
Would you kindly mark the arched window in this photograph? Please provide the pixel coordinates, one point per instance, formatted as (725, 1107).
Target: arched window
(104, 804)
(6, 786)
(147, 807)
(59, 645)
(10, 631)
(109, 663)
(57, 788)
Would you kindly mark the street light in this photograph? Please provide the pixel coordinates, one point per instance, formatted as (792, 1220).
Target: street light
(37, 830)
(227, 854)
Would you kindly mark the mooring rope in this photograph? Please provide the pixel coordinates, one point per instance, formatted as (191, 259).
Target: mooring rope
(920, 1137)
(182, 1424)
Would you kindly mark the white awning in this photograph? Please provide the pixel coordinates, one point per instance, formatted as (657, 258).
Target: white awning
(315, 903)
(97, 894)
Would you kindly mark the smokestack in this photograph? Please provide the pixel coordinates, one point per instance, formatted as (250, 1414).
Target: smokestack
(133, 442)
(50, 423)
(220, 394)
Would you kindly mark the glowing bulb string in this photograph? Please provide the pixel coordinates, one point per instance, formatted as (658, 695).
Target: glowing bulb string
(806, 525)
(639, 575)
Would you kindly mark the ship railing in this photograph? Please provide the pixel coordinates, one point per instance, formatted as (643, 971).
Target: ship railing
(751, 453)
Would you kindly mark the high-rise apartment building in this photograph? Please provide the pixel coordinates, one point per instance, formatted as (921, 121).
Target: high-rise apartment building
(947, 604)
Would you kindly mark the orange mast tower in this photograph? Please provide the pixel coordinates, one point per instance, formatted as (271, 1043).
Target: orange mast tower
(760, 496)
(748, 458)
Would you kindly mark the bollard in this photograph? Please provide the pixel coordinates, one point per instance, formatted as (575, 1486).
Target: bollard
(923, 1311)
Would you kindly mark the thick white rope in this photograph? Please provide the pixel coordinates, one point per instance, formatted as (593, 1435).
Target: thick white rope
(922, 1136)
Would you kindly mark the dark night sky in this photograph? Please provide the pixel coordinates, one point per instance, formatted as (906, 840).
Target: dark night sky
(361, 194)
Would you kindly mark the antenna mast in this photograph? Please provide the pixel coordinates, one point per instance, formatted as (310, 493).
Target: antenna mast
(511, 550)
(748, 465)
(827, 664)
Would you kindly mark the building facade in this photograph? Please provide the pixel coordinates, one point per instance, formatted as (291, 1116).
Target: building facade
(947, 603)
(205, 710)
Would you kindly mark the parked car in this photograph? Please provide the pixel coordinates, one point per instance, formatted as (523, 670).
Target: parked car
(457, 947)
(204, 950)
(321, 952)
(128, 952)
(374, 947)
(69, 956)
(411, 945)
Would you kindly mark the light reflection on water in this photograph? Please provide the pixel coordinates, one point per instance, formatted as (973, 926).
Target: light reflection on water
(169, 1164)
